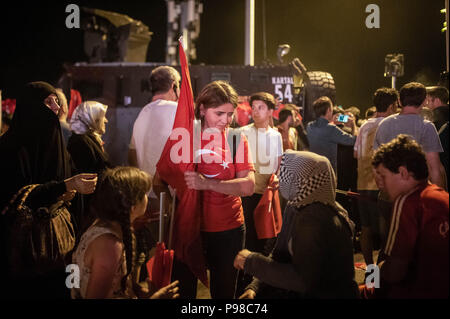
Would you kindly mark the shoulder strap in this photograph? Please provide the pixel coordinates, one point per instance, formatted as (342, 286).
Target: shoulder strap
(19, 198)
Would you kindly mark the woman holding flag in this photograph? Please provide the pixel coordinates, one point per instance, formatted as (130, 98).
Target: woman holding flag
(208, 223)
(223, 177)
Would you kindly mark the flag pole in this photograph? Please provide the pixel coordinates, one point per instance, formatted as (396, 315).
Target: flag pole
(162, 197)
(174, 199)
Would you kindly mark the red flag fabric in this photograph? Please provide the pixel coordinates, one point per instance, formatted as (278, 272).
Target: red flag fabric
(159, 267)
(243, 113)
(9, 106)
(176, 158)
(267, 215)
(75, 100)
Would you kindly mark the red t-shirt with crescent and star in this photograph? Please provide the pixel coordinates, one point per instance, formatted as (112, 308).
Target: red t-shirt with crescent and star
(221, 212)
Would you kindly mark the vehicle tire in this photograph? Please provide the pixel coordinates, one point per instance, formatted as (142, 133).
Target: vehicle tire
(317, 84)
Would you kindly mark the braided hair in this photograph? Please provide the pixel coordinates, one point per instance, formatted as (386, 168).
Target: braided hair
(119, 189)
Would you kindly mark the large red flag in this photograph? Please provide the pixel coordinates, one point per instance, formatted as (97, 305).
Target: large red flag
(176, 158)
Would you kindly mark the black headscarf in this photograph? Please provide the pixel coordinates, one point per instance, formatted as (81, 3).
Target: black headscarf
(32, 150)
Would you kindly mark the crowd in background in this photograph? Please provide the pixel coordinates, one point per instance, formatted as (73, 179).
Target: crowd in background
(343, 182)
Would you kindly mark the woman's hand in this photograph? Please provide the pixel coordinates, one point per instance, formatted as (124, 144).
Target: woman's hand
(275, 183)
(241, 257)
(168, 292)
(351, 120)
(248, 294)
(82, 183)
(195, 180)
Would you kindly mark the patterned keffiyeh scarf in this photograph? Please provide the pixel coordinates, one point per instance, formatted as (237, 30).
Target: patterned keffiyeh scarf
(306, 177)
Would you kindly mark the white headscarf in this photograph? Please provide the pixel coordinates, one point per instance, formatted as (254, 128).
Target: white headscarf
(85, 118)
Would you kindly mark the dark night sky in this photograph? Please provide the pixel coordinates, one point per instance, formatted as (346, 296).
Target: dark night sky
(327, 35)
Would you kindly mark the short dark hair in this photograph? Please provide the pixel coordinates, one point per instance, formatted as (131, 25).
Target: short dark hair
(291, 107)
(162, 79)
(284, 114)
(413, 94)
(438, 92)
(265, 97)
(337, 110)
(402, 151)
(383, 97)
(321, 105)
(370, 112)
(354, 110)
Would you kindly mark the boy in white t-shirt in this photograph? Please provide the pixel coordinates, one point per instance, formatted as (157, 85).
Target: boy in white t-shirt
(266, 147)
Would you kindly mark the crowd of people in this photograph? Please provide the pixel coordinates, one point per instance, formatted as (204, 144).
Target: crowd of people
(381, 178)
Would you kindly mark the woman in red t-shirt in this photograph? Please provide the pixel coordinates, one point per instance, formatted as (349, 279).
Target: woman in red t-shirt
(222, 180)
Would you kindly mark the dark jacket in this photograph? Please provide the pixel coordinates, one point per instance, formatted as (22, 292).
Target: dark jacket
(87, 153)
(320, 263)
(440, 116)
(324, 137)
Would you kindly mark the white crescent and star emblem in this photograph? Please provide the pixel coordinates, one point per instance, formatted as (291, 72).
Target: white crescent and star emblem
(224, 164)
(202, 151)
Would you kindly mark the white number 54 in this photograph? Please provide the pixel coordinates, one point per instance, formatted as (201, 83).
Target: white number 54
(287, 92)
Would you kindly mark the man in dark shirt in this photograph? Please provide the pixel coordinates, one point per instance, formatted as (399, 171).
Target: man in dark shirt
(437, 101)
(443, 137)
(324, 136)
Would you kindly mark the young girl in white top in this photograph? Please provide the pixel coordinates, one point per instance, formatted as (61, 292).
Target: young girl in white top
(106, 252)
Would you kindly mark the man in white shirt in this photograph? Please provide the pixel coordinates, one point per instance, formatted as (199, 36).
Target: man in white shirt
(266, 146)
(372, 221)
(154, 123)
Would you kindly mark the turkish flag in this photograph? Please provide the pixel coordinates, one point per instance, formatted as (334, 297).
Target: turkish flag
(186, 236)
(243, 113)
(267, 215)
(159, 267)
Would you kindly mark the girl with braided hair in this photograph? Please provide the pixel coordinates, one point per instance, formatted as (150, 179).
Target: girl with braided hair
(106, 252)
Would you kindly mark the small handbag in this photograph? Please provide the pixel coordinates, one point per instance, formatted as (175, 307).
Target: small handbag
(37, 241)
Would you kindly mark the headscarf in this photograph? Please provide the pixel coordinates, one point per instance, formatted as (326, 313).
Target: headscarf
(85, 118)
(305, 178)
(31, 113)
(32, 150)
